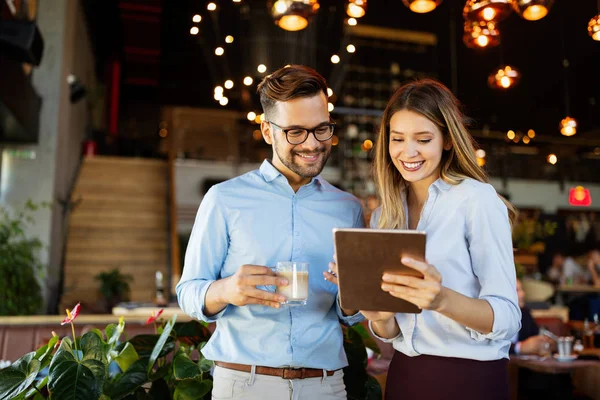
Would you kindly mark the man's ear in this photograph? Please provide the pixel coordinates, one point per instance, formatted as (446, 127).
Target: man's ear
(265, 129)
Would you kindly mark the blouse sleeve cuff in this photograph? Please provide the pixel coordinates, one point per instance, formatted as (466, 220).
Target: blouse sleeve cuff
(385, 340)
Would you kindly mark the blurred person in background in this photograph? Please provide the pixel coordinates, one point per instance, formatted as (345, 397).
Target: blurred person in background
(565, 270)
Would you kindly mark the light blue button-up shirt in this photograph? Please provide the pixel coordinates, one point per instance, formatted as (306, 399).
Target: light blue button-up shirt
(257, 219)
(469, 242)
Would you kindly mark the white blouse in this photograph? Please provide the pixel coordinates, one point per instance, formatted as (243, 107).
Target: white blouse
(469, 242)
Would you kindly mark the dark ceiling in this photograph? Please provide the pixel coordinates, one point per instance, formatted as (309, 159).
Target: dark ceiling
(164, 64)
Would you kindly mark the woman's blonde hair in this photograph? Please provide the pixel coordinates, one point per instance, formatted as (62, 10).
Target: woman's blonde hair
(435, 102)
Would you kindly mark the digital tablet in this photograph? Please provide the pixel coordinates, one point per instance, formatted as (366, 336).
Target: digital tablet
(364, 255)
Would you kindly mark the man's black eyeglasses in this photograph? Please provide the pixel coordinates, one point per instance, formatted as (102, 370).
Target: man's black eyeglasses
(299, 135)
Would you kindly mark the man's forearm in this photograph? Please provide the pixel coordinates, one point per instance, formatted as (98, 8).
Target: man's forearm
(213, 301)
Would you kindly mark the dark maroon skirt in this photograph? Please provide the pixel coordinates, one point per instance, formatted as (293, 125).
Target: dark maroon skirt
(432, 378)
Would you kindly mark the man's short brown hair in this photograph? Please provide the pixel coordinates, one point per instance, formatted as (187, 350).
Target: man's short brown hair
(289, 83)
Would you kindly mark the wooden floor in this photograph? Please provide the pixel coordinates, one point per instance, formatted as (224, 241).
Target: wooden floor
(121, 222)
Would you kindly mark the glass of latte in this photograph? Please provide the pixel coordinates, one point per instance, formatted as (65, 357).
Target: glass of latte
(296, 273)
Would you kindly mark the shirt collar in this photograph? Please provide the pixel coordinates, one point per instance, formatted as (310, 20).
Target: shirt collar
(269, 173)
(442, 185)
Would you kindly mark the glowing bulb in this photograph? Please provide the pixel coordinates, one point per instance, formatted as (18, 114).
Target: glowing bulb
(505, 82)
(355, 11)
(526, 139)
(329, 92)
(248, 81)
(223, 101)
(261, 68)
(352, 21)
(229, 39)
(251, 116)
(197, 18)
(510, 134)
(531, 133)
(228, 84)
(218, 96)
(480, 153)
(489, 13)
(330, 107)
(219, 89)
(535, 12)
(422, 6)
(219, 51)
(482, 40)
(194, 30)
(335, 59)
(552, 159)
(350, 48)
(262, 117)
(211, 6)
(367, 144)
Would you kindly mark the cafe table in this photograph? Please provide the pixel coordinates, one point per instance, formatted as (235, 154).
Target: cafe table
(574, 289)
(585, 373)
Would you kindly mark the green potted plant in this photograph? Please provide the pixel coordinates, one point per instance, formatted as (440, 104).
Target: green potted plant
(114, 287)
(161, 366)
(20, 265)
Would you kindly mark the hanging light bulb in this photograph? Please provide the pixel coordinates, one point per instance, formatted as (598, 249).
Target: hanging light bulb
(504, 77)
(421, 6)
(481, 34)
(293, 15)
(568, 126)
(356, 8)
(487, 10)
(594, 26)
(552, 159)
(532, 10)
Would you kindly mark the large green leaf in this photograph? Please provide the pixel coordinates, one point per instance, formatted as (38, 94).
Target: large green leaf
(191, 333)
(192, 389)
(127, 357)
(44, 352)
(160, 344)
(355, 374)
(144, 344)
(184, 368)
(32, 392)
(373, 389)
(81, 377)
(127, 383)
(19, 376)
(367, 339)
(159, 390)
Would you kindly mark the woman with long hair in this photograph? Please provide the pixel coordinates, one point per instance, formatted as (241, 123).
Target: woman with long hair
(428, 179)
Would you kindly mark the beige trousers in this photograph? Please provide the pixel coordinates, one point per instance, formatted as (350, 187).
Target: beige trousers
(230, 384)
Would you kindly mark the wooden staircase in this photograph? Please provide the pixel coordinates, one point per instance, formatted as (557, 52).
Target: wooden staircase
(121, 222)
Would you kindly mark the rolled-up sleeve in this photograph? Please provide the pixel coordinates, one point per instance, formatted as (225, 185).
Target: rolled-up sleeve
(490, 248)
(204, 257)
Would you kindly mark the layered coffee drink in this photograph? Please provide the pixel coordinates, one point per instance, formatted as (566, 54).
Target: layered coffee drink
(296, 291)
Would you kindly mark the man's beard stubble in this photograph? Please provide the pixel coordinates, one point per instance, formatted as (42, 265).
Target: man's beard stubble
(303, 171)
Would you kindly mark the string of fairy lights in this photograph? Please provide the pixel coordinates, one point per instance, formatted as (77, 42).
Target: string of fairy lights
(481, 31)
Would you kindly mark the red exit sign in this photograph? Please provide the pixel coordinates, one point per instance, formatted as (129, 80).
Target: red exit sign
(580, 196)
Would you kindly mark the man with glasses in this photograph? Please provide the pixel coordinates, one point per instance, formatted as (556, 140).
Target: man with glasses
(285, 211)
